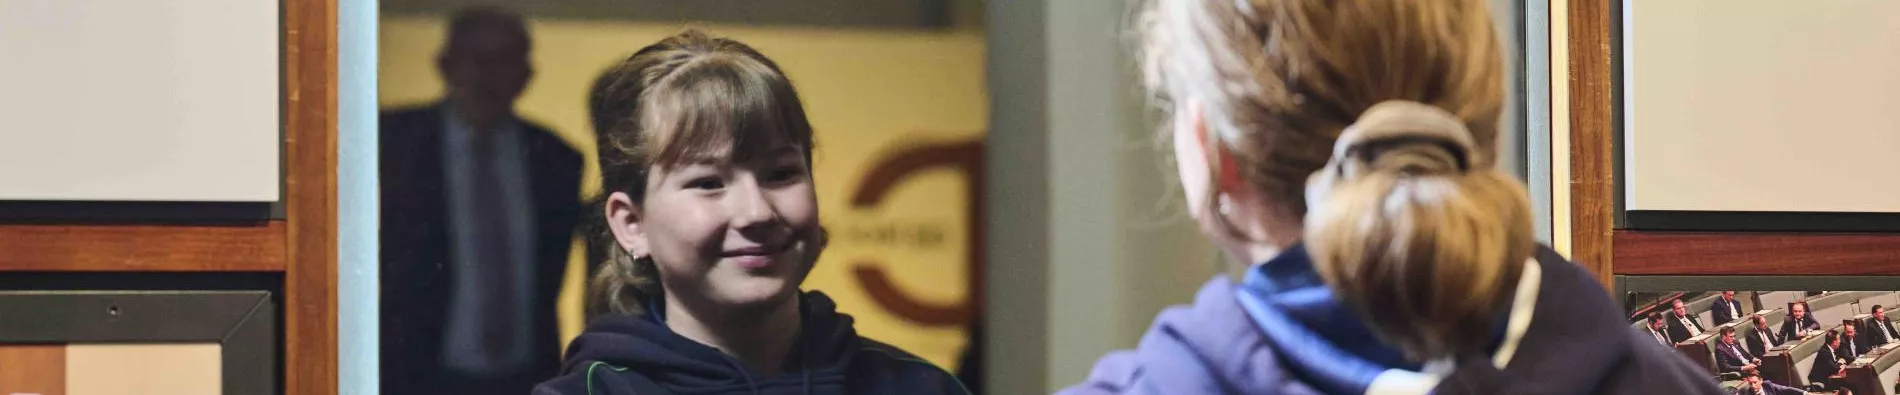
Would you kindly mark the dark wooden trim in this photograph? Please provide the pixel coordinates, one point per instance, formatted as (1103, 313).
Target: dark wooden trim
(1592, 133)
(156, 248)
(1682, 284)
(310, 131)
(120, 212)
(1761, 221)
(1710, 253)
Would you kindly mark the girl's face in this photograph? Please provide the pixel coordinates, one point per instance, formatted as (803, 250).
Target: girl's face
(728, 233)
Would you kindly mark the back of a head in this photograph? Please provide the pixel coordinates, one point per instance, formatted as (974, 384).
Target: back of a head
(1376, 122)
(480, 24)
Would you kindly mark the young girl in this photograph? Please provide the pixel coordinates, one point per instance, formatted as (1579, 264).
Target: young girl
(1345, 151)
(706, 154)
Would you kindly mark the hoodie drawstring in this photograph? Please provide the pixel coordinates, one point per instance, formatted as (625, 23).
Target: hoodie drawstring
(740, 367)
(804, 353)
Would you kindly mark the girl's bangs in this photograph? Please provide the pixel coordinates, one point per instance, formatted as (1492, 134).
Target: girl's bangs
(723, 111)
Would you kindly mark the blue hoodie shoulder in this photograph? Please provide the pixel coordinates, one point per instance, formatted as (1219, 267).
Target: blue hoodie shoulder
(1208, 347)
(1577, 344)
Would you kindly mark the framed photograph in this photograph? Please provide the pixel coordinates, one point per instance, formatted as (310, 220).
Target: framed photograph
(137, 342)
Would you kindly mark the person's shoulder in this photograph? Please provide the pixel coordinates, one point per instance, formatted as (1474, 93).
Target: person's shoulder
(403, 130)
(901, 371)
(547, 142)
(408, 114)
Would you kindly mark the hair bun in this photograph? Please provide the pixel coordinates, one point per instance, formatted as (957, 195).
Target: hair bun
(1399, 126)
(1396, 136)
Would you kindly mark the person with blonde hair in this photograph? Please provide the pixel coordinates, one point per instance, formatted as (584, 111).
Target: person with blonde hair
(1345, 151)
(705, 155)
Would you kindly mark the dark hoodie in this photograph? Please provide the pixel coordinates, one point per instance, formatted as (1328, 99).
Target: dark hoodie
(1295, 339)
(627, 354)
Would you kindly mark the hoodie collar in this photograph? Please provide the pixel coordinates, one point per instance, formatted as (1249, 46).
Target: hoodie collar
(1299, 315)
(645, 346)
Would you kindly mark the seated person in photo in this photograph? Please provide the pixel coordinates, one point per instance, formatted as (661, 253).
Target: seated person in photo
(1851, 345)
(1763, 339)
(1729, 355)
(1682, 325)
(1799, 324)
(1827, 362)
(1883, 331)
(705, 155)
(1655, 330)
(1753, 384)
(1726, 308)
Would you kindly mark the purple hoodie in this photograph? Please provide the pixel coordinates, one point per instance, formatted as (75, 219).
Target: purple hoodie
(1576, 344)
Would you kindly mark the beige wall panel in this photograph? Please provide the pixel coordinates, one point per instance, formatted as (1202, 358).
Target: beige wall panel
(139, 100)
(1762, 105)
(144, 369)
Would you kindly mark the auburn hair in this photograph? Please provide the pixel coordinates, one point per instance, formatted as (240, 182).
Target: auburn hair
(1375, 124)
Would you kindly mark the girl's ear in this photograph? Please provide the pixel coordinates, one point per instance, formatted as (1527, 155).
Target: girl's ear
(1220, 158)
(624, 220)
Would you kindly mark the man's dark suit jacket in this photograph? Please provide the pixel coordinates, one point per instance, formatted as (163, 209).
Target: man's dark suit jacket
(1653, 333)
(1788, 327)
(1852, 348)
(1825, 364)
(1873, 339)
(1755, 345)
(1721, 310)
(1770, 388)
(1730, 357)
(416, 249)
(1677, 333)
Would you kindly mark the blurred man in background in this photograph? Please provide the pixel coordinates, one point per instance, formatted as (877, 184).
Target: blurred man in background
(1755, 385)
(1730, 357)
(1682, 325)
(1656, 329)
(1763, 338)
(478, 207)
(1851, 346)
(1726, 308)
(1883, 331)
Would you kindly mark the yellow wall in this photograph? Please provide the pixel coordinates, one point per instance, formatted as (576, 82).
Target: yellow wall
(867, 92)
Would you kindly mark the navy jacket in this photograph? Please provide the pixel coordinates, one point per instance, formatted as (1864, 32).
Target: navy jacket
(1662, 339)
(1678, 332)
(626, 355)
(1882, 326)
(1770, 388)
(1788, 327)
(1852, 348)
(1827, 362)
(1726, 310)
(1730, 357)
(415, 252)
(1577, 343)
(1756, 345)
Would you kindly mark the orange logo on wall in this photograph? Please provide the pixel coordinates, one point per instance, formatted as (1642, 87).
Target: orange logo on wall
(965, 158)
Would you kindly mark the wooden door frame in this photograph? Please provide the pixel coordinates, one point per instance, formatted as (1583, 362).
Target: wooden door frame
(310, 134)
